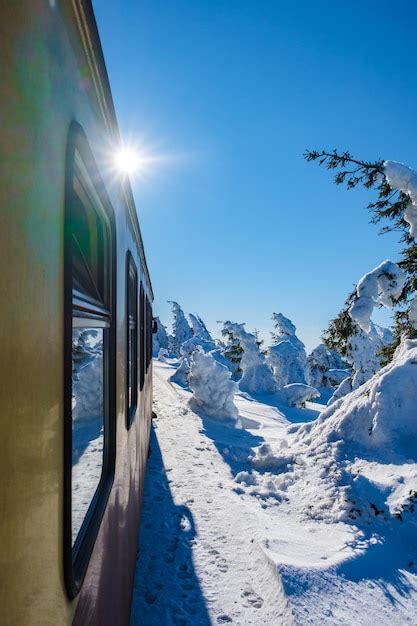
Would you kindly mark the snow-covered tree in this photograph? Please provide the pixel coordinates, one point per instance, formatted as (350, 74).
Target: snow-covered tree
(213, 390)
(396, 204)
(181, 330)
(199, 328)
(160, 339)
(257, 377)
(326, 366)
(232, 351)
(362, 350)
(195, 343)
(287, 356)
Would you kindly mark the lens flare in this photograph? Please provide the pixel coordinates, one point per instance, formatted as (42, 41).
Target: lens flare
(129, 161)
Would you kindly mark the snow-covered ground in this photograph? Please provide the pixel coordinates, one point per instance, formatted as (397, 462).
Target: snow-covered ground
(232, 530)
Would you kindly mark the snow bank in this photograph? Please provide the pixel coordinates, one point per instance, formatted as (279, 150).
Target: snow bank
(383, 412)
(357, 463)
(213, 391)
(382, 286)
(402, 177)
(257, 376)
(297, 394)
(160, 340)
(182, 373)
(359, 457)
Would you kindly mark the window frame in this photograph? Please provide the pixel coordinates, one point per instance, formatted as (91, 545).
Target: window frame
(142, 337)
(89, 312)
(131, 407)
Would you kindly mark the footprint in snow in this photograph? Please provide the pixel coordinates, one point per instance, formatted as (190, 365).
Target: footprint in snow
(251, 598)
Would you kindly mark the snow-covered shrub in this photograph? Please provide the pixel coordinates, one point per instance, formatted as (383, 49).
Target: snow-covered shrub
(181, 330)
(287, 356)
(297, 394)
(213, 390)
(160, 339)
(257, 377)
(382, 286)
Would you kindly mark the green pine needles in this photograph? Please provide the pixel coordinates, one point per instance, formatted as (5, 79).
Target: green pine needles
(389, 207)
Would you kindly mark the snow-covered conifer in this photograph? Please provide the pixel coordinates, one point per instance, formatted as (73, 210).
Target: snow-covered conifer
(396, 185)
(199, 328)
(213, 390)
(324, 364)
(257, 377)
(160, 339)
(232, 351)
(287, 356)
(181, 330)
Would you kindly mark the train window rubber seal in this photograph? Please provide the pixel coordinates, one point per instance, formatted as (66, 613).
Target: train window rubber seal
(77, 556)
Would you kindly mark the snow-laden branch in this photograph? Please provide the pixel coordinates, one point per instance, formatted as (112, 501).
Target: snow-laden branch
(401, 177)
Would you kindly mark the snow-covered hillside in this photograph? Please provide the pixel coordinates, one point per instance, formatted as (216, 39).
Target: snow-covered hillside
(289, 519)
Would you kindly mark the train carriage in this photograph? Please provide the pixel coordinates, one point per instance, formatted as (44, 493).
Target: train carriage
(76, 328)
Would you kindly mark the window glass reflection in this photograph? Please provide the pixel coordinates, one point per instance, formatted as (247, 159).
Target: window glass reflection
(87, 420)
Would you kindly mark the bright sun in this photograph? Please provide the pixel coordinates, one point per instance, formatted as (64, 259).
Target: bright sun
(128, 161)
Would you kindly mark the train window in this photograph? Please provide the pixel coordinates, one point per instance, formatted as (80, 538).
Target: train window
(142, 336)
(148, 334)
(132, 340)
(88, 347)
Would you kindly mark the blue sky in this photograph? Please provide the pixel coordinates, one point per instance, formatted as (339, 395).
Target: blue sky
(236, 224)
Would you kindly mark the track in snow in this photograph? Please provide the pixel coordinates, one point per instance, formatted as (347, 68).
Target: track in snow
(200, 557)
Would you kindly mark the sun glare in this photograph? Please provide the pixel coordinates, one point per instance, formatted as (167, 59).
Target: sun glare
(128, 161)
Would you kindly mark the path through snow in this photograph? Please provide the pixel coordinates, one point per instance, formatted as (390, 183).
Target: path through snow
(200, 561)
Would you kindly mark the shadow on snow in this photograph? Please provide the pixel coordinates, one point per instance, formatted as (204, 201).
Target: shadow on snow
(167, 589)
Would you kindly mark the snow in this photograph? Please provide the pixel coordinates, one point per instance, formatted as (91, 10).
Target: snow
(381, 286)
(257, 376)
(298, 394)
(412, 316)
(402, 177)
(287, 520)
(213, 391)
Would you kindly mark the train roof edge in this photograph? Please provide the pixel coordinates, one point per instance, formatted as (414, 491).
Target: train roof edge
(87, 25)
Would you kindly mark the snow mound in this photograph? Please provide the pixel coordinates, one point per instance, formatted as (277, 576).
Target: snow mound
(381, 286)
(213, 391)
(297, 394)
